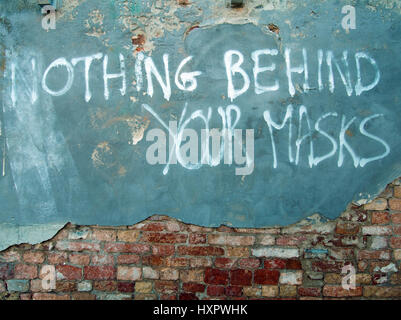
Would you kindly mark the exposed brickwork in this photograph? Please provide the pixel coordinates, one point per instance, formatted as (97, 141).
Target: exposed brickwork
(162, 258)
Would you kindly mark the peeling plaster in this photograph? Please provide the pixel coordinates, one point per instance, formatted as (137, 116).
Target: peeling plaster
(14, 235)
(154, 25)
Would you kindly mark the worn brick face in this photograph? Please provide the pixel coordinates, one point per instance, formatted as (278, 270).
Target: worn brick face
(164, 237)
(6, 271)
(68, 272)
(129, 273)
(161, 258)
(338, 292)
(34, 257)
(193, 287)
(266, 277)
(216, 276)
(241, 277)
(25, 271)
(99, 272)
(380, 217)
(200, 251)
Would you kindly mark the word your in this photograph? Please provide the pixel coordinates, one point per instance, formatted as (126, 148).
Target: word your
(349, 21)
(49, 20)
(188, 82)
(223, 143)
(187, 154)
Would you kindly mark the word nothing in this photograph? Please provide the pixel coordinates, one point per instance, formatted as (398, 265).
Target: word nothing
(145, 68)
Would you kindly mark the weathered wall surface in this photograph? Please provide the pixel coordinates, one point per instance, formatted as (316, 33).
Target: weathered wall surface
(108, 118)
(78, 155)
(162, 258)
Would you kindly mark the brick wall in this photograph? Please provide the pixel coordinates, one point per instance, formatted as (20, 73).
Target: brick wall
(162, 258)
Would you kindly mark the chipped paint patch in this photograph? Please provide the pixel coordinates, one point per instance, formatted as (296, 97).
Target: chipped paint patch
(161, 18)
(138, 127)
(68, 10)
(94, 24)
(101, 154)
(13, 235)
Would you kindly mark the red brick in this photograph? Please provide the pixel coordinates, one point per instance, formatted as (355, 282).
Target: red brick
(50, 296)
(347, 228)
(126, 247)
(192, 275)
(176, 262)
(103, 235)
(25, 271)
(395, 242)
(188, 296)
(10, 256)
(169, 274)
(309, 292)
(395, 204)
(374, 255)
(153, 261)
(200, 262)
(69, 272)
(380, 217)
(102, 259)
(249, 263)
(25, 296)
(154, 226)
(77, 246)
(193, 287)
(290, 240)
(166, 287)
(80, 259)
(220, 239)
(327, 266)
(126, 286)
(200, 251)
(6, 271)
(342, 253)
(216, 276)
(57, 258)
(105, 285)
(397, 230)
(164, 237)
(168, 297)
(215, 291)
(397, 191)
(267, 277)
(234, 291)
(36, 257)
(82, 296)
(100, 272)
(66, 286)
(163, 261)
(276, 263)
(163, 250)
(396, 218)
(224, 263)
(338, 292)
(197, 238)
(128, 259)
(241, 277)
(293, 264)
